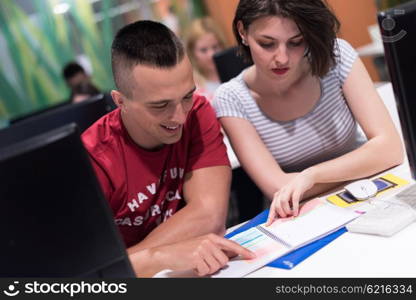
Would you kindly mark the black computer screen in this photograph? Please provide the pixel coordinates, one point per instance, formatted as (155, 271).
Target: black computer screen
(54, 220)
(229, 64)
(34, 113)
(398, 29)
(84, 114)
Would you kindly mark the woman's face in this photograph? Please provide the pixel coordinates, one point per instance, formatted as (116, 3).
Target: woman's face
(205, 47)
(277, 48)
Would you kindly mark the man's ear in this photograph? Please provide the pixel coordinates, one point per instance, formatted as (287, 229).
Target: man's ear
(118, 99)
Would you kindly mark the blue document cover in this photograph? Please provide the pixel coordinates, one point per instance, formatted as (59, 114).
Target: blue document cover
(293, 258)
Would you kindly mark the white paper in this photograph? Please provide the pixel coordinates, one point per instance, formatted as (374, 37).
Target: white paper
(317, 221)
(264, 247)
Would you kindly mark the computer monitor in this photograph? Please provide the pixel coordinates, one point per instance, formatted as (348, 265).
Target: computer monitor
(398, 30)
(31, 114)
(229, 64)
(84, 114)
(54, 219)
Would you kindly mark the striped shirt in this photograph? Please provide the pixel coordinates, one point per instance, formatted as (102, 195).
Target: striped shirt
(326, 132)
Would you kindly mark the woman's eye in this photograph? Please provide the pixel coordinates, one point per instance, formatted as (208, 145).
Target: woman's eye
(296, 44)
(266, 45)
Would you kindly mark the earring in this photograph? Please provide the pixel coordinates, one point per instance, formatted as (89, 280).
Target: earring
(244, 42)
(307, 53)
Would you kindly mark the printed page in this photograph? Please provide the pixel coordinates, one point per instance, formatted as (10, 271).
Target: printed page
(316, 219)
(265, 248)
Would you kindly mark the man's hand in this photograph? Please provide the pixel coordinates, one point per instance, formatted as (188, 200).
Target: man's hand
(205, 255)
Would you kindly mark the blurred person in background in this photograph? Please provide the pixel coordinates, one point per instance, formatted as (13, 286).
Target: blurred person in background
(74, 74)
(203, 40)
(83, 91)
(79, 82)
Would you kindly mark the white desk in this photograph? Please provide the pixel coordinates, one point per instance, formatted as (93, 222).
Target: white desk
(360, 255)
(373, 49)
(376, 47)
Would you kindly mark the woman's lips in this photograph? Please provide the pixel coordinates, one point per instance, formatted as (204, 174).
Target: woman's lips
(280, 71)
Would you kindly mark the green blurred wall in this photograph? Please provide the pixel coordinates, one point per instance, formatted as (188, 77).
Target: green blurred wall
(34, 48)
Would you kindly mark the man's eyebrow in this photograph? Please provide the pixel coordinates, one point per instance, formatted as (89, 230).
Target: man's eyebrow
(158, 102)
(163, 101)
(190, 92)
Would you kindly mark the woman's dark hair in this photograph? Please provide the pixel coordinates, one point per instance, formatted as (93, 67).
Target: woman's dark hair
(315, 20)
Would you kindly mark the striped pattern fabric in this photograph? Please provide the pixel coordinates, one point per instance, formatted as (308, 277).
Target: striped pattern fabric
(326, 132)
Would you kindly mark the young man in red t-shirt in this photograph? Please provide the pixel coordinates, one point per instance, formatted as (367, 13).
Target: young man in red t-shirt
(160, 158)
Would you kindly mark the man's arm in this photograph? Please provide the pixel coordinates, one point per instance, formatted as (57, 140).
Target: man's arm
(206, 193)
(205, 254)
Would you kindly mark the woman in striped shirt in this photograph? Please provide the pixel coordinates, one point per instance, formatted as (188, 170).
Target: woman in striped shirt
(292, 116)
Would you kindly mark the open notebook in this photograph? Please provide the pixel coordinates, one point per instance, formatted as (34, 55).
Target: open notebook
(317, 218)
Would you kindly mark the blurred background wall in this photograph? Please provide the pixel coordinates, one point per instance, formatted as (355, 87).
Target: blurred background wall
(38, 37)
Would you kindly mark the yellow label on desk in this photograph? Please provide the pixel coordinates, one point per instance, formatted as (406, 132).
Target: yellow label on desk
(389, 181)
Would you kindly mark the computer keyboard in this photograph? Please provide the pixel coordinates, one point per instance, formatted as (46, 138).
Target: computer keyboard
(384, 220)
(388, 216)
(408, 196)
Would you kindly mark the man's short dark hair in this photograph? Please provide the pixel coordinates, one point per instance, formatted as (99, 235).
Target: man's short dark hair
(317, 23)
(71, 69)
(146, 43)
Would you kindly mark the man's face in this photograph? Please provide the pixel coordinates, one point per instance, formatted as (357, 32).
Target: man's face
(160, 100)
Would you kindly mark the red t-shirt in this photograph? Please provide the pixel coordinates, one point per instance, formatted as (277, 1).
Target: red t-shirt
(145, 188)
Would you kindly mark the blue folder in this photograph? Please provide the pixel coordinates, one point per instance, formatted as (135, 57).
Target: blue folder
(293, 258)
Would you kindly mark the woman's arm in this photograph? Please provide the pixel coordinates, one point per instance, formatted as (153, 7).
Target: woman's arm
(257, 160)
(383, 149)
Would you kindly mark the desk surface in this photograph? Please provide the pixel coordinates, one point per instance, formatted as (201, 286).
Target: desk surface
(373, 49)
(361, 255)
